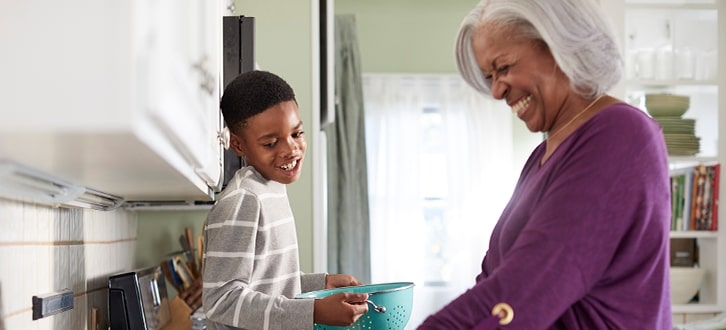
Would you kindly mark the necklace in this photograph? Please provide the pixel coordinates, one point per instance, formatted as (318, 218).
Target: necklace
(549, 136)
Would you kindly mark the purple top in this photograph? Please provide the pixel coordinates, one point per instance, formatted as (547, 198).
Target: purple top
(583, 242)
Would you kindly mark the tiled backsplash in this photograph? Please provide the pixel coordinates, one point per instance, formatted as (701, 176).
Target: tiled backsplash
(47, 249)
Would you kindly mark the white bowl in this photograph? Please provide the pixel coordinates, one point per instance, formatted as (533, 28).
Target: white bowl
(685, 283)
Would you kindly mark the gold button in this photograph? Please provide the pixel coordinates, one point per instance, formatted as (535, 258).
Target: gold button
(504, 312)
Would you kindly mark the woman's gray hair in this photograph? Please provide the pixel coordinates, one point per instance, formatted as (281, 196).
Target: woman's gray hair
(578, 35)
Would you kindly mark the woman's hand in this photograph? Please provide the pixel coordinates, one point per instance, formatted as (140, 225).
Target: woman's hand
(340, 280)
(341, 309)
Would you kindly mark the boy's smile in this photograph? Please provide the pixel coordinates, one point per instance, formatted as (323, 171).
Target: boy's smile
(273, 142)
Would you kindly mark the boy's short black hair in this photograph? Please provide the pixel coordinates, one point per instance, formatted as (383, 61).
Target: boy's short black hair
(251, 93)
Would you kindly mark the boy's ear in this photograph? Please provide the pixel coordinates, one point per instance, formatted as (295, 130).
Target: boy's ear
(235, 143)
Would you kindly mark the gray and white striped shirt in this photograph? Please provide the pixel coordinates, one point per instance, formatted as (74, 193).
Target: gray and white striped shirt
(251, 263)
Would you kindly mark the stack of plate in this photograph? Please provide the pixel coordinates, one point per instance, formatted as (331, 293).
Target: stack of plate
(679, 133)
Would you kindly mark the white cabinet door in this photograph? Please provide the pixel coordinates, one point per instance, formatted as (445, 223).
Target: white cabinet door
(184, 72)
(119, 96)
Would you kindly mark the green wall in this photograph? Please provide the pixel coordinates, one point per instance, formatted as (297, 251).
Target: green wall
(283, 32)
(158, 235)
(407, 36)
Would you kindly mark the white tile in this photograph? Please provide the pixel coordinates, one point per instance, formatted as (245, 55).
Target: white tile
(44, 265)
(30, 225)
(77, 270)
(19, 321)
(81, 313)
(44, 227)
(90, 264)
(57, 225)
(6, 262)
(65, 225)
(89, 228)
(63, 320)
(45, 323)
(6, 279)
(29, 270)
(11, 215)
(61, 267)
(76, 227)
(13, 288)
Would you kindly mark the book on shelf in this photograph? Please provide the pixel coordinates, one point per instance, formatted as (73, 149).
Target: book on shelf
(694, 197)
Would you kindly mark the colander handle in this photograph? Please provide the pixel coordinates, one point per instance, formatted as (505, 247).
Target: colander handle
(379, 309)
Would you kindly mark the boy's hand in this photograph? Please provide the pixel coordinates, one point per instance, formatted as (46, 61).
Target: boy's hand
(341, 309)
(340, 280)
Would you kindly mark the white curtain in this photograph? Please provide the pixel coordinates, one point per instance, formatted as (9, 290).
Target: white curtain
(476, 182)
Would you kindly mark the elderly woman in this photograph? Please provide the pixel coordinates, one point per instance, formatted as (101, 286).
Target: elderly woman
(583, 242)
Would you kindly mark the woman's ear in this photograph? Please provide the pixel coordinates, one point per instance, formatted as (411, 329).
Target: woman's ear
(235, 143)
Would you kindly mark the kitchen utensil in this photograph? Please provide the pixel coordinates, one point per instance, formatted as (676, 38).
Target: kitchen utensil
(186, 249)
(182, 269)
(391, 305)
(192, 257)
(200, 252)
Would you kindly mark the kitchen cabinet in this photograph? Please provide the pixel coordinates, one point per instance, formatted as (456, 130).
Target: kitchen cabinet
(118, 96)
(672, 46)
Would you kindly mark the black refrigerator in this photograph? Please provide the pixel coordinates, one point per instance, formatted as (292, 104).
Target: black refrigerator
(238, 56)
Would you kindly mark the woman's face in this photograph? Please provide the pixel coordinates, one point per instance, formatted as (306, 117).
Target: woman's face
(273, 142)
(522, 72)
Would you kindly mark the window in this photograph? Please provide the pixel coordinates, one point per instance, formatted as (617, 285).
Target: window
(440, 172)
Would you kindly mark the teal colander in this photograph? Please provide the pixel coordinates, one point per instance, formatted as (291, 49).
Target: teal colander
(389, 305)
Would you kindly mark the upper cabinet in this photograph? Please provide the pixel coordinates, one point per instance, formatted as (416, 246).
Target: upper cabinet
(118, 96)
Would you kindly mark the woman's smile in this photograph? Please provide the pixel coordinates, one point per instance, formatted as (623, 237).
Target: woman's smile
(520, 107)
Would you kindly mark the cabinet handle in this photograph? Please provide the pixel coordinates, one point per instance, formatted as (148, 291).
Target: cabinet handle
(223, 137)
(231, 7)
(207, 81)
(199, 65)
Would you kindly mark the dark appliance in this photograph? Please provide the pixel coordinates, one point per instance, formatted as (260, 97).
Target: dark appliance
(238, 42)
(138, 300)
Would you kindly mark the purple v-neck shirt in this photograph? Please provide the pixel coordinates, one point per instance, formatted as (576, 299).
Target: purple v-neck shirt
(583, 242)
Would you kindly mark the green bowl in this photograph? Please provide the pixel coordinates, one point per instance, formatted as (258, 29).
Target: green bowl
(389, 306)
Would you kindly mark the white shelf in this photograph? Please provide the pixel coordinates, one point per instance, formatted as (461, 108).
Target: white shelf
(674, 6)
(666, 27)
(696, 309)
(654, 83)
(695, 234)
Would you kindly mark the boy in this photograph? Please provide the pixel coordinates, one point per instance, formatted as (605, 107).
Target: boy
(251, 266)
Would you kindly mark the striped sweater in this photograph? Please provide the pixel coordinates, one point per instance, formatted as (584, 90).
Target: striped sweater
(251, 266)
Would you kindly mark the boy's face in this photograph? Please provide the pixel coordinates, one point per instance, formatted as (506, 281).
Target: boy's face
(273, 142)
